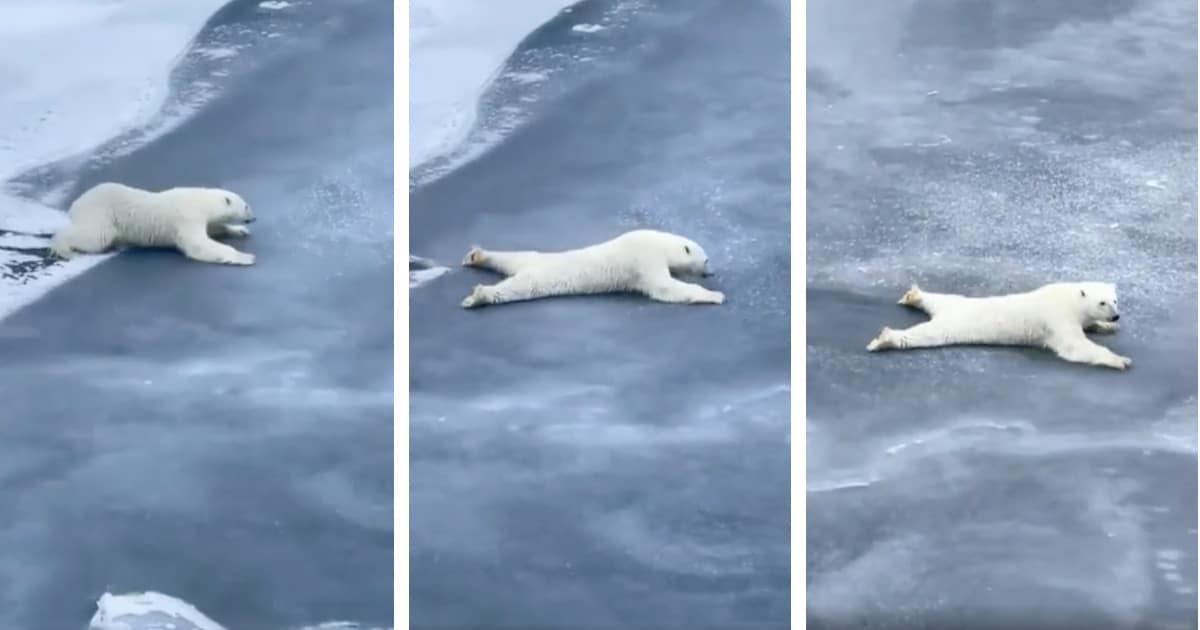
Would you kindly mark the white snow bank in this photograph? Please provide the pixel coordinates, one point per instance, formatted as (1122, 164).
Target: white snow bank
(143, 611)
(455, 48)
(155, 611)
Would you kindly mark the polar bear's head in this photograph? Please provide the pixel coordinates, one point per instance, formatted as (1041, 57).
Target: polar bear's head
(684, 256)
(1098, 302)
(228, 207)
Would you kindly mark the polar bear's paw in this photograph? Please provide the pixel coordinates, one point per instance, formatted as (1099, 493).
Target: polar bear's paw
(715, 297)
(474, 257)
(479, 297)
(912, 297)
(1123, 363)
(237, 258)
(883, 341)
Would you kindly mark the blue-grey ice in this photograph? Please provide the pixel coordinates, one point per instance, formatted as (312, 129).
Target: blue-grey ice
(223, 435)
(983, 148)
(605, 461)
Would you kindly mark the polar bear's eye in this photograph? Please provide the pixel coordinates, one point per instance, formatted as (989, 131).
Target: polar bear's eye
(228, 202)
(687, 250)
(1102, 302)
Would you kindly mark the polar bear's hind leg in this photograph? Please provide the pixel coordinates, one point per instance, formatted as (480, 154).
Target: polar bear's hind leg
(60, 245)
(89, 241)
(931, 303)
(477, 297)
(506, 263)
(520, 287)
(931, 334)
(912, 297)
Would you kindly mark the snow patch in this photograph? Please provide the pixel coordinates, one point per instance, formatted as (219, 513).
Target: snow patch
(455, 49)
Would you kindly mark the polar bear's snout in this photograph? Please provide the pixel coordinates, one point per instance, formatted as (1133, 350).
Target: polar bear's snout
(1115, 317)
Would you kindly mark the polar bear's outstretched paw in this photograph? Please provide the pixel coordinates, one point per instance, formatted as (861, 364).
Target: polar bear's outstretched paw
(478, 297)
(202, 248)
(239, 258)
(882, 341)
(713, 297)
(474, 257)
(912, 297)
(1122, 363)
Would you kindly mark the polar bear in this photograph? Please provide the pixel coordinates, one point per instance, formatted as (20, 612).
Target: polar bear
(1054, 316)
(640, 261)
(109, 215)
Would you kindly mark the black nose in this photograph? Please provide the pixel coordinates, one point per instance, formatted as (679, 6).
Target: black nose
(250, 220)
(1116, 317)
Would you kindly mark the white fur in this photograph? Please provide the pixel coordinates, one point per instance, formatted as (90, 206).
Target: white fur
(1054, 317)
(111, 215)
(640, 261)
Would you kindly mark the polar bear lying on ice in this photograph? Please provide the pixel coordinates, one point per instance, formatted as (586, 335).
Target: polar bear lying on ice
(109, 215)
(640, 261)
(1054, 317)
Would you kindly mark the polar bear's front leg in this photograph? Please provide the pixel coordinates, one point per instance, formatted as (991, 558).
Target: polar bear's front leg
(1105, 328)
(202, 248)
(679, 292)
(228, 230)
(1075, 347)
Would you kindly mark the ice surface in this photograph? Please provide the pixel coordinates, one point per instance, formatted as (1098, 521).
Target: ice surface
(985, 148)
(129, 485)
(622, 469)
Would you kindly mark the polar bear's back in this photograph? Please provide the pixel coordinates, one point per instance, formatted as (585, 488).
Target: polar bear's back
(599, 268)
(619, 263)
(1019, 318)
(140, 217)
